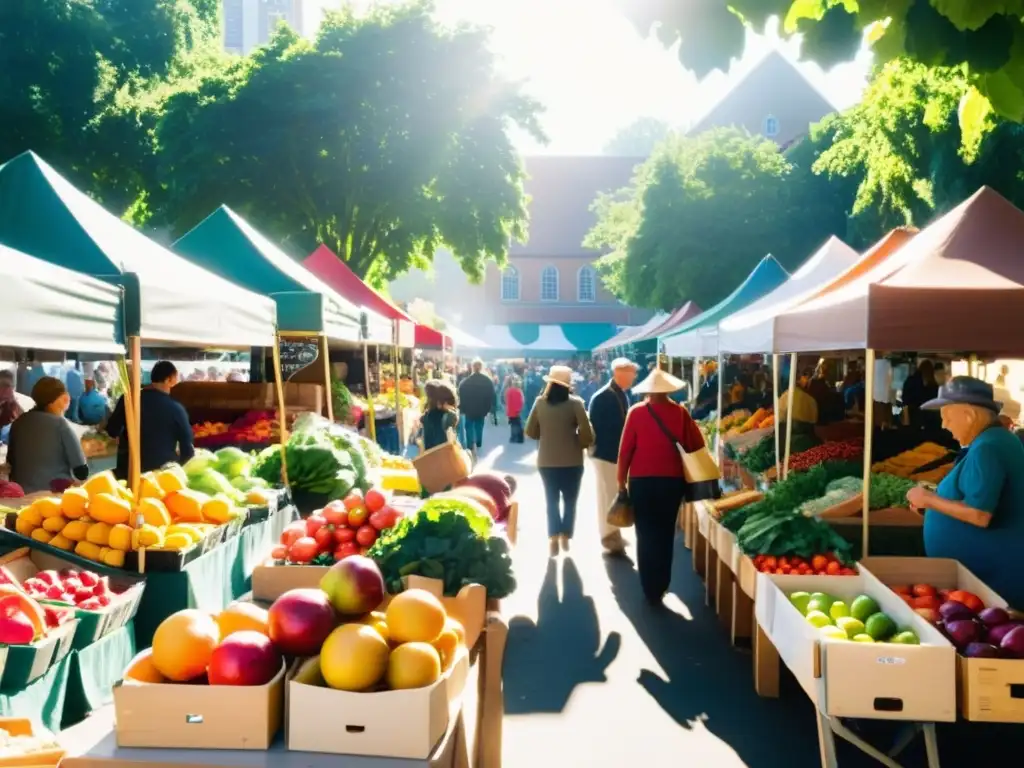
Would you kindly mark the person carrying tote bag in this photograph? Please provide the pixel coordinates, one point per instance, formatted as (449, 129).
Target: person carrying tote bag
(662, 461)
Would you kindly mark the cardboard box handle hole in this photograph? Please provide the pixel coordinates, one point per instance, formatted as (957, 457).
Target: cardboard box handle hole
(193, 719)
(883, 704)
(355, 728)
(1016, 691)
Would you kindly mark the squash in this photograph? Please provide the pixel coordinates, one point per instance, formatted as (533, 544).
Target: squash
(60, 541)
(42, 535)
(186, 505)
(54, 524)
(102, 482)
(76, 530)
(121, 538)
(220, 509)
(153, 511)
(172, 479)
(99, 534)
(74, 503)
(150, 488)
(110, 508)
(755, 418)
(88, 550)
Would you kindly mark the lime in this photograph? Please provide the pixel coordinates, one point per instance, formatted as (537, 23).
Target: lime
(800, 601)
(833, 633)
(838, 610)
(818, 619)
(863, 607)
(879, 626)
(863, 639)
(850, 625)
(906, 637)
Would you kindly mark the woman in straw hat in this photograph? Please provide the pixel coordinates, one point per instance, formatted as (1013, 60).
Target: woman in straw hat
(651, 464)
(558, 422)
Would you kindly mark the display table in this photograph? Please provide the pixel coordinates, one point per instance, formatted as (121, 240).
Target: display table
(94, 671)
(41, 701)
(212, 581)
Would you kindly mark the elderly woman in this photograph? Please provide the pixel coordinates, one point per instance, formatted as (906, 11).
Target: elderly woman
(976, 515)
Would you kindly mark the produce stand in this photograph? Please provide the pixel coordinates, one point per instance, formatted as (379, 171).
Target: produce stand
(41, 700)
(94, 671)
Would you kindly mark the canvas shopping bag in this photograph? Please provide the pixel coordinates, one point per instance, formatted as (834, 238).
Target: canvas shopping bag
(699, 469)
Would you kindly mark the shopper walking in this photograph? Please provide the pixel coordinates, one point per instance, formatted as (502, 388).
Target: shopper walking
(608, 408)
(476, 399)
(514, 402)
(558, 422)
(440, 415)
(650, 463)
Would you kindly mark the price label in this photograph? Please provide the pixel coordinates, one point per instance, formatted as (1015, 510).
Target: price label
(891, 660)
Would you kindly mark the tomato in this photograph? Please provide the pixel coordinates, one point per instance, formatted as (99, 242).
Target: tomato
(303, 550)
(782, 561)
(280, 552)
(924, 590)
(363, 551)
(758, 560)
(314, 523)
(353, 500)
(345, 550)
(381, 519)
(969, 599)
(819, 562)
(343, 534)
(781, 571)
(784, 569)
(292, 533)
(357, 516)
(833, 568)
(335, 514)
(848, 572)
(366, 535)
(902, 589)
(796, 561)
(324, 538)
(374, 500)
(769, 562)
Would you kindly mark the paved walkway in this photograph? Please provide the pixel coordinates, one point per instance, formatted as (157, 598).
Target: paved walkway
(594, 677)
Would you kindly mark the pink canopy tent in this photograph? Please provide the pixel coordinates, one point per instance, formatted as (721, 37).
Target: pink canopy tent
(326, 265)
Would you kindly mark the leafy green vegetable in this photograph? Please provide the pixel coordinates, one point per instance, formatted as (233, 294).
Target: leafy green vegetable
(446, 539)
(889, 490)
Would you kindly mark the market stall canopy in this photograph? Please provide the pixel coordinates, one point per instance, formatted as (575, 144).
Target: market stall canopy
(463, 340)
(628, 334)
(325, 264)
(956, 286)
(752, 331)
(167, 299)
(534, 340)
(685, 342)
(228, 245)
(51, 308)
(676, 320)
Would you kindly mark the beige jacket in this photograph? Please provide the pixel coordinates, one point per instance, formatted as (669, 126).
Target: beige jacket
(563, 432)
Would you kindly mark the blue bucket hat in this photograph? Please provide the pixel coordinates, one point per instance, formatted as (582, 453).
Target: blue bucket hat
(965, 390)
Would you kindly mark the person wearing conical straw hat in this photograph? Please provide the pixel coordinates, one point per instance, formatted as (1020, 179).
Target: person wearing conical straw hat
(558, 422)
(659, 477)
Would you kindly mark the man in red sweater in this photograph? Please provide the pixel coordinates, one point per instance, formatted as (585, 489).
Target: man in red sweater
(514, 402)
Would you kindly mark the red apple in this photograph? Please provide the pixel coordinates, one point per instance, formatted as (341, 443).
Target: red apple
(930, 615)
(902, 589)
(924, 590)
(244, 658)
(300, 620)
(354, 585)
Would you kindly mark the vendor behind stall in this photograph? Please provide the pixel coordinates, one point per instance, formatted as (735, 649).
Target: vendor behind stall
(976, 515)
(43, 446)
(166, 433)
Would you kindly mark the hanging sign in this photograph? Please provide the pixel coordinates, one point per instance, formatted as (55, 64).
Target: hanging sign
(297, 354)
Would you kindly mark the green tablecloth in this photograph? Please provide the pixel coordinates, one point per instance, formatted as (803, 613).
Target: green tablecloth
(210, 582)
(43, 700)
(885, 540)
(94, 670)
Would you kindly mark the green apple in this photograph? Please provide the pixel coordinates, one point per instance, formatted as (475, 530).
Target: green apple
(850, 625)
(906, 637)
(818, 619)
(838, 610)
(800, 601)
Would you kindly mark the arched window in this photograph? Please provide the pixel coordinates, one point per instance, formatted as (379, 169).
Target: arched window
(771, 126)
(510, 284)
(586, 284)
(549, 284)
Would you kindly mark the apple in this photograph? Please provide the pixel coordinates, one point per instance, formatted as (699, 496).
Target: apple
(354, 585)
(246, 657)
(374, 500)
(300, 620)
(931, 615)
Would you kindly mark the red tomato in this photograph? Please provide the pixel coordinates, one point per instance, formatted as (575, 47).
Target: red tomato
(848, 572)
(374, 500)
(324, 538)
(357, 516)
(346, 549)
(833, 568)
(314, 523)
(381, 519)
(924, 590)
(343, 534)
(335, 514)
(969, 599)
(819, 562)
(303, 550)
(366, 535)
(279, 552)
(293, 533)
(353, 500)
(769, 562)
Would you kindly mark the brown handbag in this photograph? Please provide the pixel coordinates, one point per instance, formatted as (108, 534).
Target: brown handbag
(621, 513)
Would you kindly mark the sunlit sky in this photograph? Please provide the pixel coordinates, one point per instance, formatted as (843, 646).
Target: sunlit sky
(595, 74)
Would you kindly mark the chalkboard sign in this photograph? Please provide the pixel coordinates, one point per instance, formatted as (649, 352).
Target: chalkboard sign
(296, 355)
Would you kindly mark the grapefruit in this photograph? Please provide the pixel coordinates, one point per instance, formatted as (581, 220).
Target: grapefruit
(413, 665)
(447, 645)
(415, 616)
(378, 621)
(354, 658)
(243, 616)
(142, 670)
(184, 643)
(456, 626)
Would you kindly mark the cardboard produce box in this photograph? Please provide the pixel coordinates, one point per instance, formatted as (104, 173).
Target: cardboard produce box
(989, 690)
(23, 664)
(183, 716)
(884, 681)
(403, 724)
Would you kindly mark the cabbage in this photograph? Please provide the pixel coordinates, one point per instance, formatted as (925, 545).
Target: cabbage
(200, 462)
(232, 462)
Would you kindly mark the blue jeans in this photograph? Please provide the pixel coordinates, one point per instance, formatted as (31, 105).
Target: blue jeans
(474, 433)
(561, 489)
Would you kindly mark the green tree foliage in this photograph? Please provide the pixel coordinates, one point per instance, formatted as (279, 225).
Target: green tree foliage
(984, 37)
(385, 138)
(698, 216)
(639, 138)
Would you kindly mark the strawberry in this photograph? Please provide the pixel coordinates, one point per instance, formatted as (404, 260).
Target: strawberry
(88, 578)
(82, 594)
(92, 604)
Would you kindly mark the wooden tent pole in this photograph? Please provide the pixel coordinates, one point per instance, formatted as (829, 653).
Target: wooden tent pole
(282, 409)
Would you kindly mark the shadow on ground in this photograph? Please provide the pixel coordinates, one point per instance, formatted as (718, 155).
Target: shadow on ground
(562, 650)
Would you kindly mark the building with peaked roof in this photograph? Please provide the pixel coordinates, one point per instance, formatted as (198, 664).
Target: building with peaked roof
(774, 99)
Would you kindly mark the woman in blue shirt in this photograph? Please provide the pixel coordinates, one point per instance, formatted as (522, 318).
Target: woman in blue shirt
(976, 515)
